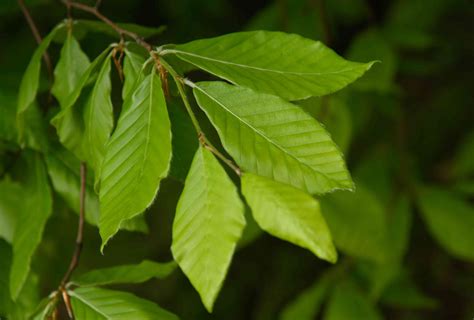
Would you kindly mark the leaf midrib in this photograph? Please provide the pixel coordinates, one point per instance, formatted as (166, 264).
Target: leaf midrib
(178, 52)
(263, 135)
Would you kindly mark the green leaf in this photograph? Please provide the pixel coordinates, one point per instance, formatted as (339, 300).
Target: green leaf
(347, 302)
(30, 82)
(132, 64)
(289, 214)
(450, 220)
(309, 303)
(64, 171)
(72, 64)
(94, 303)
(208, 224)
(134, 273)
(11, 205)
(31, 222)
(271, 137)
(358, 223)
(137, 157)
(69, 122)
(286, 65)
(98, 121)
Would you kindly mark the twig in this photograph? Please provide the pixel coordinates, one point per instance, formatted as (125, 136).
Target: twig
(37, 36)
(80, 229)
(94, 11)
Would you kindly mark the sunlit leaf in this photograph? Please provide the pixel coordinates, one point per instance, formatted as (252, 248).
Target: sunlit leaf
(208, 224)
(137, 157)
(297, 67)
(288, 213)
(132, 64)
(274, 138)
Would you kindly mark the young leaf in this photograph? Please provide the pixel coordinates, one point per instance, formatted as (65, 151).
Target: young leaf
(132, 64)
(69, 121)
(125, 274)
(450, 220)
(30, 81)
(72, 64)
(271, 137)
(31, 222)
(137, 157)
(286, 65)
(358, 223)
(208, 224)
(98, 121)
(289, 214)
(95, 303)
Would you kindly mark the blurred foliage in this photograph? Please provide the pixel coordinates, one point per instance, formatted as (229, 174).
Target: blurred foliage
(406, 236)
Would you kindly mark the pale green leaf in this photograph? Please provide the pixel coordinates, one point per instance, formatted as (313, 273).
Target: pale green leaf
(271, 137)
(358, 223)
(134, 273)
(132, 64)
(64, 171)
(348, 302)
(31, 222)
(69, 122)
(289, 214)
(208, 224)
(72, 64)
(98, 120)
(137, 157)
(277, 63)
(450, 219)
(30, 81)
(93, 303)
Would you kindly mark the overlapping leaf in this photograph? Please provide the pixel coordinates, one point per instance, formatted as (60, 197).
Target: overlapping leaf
(208, 224)
(69, 122)
(288, 213)
(30, 81)
(132, 65)
(72, 64)
(30, 225)
(282, 64)
(64, 171)
(98, 121)
(137, 157)
(94, 303)
(273, 138)
(135, 273)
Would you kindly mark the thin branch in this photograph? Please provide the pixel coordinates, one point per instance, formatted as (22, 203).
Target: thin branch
(37, 36)
(122, 32)
(80, 228)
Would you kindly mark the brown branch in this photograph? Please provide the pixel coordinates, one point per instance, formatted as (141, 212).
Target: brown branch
(122, 32)
(80, 229)
(37, 36)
